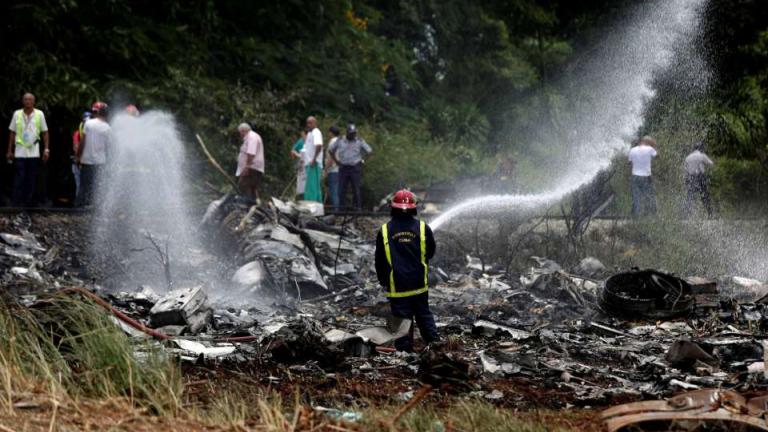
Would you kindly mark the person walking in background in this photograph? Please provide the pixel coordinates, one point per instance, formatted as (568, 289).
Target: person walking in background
(27, 127)
(313, 161)
(92, 152)
(297, 153)
(250, 163)
(348, 152)
(643, 193)
(404, 246)
(332, 169)
(696, 179)
(77, 138)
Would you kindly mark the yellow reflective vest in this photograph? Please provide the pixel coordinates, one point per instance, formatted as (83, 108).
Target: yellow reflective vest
(392, 290)
(37, 118)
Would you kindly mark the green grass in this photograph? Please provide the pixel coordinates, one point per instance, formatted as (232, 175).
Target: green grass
(71, 349)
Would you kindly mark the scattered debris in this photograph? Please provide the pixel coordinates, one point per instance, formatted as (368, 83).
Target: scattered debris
(590, 267)
(745, 290)
(488, 328)
(182, 307)
(336, 414)
(302, 340)
(301, 298)
(646, 294)
(693, 409)
(685, 354)
(445, 370)
(494, 395)
(193, 350)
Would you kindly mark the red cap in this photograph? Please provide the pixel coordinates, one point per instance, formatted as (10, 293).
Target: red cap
(404, 199)
(98, 106)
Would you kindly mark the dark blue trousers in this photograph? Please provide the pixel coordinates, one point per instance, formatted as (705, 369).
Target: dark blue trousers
(24, 181)
(90, 177)
(698, 184)
(415, 308)
(350, 176)
(333, 189)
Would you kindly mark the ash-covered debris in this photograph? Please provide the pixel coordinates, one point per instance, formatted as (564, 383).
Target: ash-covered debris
(301, 298)
(185, 307)
(32, 262)
(301, 340)
(284, 249)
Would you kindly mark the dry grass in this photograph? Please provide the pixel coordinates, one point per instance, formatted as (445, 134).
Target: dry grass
(64, 366)
(269, 414)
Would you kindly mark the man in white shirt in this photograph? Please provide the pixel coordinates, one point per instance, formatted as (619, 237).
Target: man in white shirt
(643, 193)
(92, 153)
(696, 179)
(313, 161)
(250, 162)
(27, 127)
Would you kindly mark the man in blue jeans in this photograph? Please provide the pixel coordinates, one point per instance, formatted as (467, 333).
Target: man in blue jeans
(26, 130)
(404, 246)
(643, 192)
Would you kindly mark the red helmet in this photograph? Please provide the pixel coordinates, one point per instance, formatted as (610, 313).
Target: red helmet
(404, 199)
(131, 109)
(98, 106)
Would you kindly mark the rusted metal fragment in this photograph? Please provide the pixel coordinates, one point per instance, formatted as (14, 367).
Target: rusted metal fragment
(708, 405)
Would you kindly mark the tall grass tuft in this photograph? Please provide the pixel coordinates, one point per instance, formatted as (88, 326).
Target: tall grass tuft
(70, 349)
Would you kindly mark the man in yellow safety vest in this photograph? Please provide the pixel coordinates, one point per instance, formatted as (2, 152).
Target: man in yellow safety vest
(27, 127)
(404, 246)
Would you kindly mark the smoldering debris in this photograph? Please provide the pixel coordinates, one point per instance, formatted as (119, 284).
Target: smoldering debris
(302, 299)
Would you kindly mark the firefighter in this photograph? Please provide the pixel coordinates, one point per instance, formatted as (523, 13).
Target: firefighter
(404, 246)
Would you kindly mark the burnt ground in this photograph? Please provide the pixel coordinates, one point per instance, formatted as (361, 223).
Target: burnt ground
(66, 238)
(553, 351)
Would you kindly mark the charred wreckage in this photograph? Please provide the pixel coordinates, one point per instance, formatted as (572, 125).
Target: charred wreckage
(677, 348)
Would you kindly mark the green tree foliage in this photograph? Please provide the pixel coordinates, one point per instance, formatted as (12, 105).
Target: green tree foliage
(450, 84)
(737, 39)
(725, 102)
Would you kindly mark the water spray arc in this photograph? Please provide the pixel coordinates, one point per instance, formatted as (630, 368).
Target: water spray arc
(617, 81)
(143, 221)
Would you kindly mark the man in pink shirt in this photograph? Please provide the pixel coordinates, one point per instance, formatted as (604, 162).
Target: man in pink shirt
(250, 162)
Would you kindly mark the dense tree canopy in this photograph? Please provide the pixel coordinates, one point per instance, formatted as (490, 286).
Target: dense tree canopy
(444, 81)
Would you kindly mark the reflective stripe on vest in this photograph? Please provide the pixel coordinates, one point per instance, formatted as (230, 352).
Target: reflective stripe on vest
(37, 116)
(392, 292)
